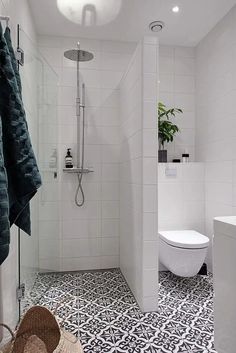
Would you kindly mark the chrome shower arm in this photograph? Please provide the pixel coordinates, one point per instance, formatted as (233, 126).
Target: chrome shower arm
(78, 84)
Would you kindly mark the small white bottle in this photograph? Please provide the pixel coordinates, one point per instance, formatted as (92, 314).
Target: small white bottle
(53, 159)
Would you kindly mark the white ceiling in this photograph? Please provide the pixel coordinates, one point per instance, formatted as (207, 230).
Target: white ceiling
(195, 19)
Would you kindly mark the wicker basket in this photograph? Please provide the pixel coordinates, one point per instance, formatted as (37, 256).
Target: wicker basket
(35, 345)
(40, 322)
(8, 347)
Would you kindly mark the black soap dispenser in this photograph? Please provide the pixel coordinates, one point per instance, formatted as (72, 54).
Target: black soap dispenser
(68, 159)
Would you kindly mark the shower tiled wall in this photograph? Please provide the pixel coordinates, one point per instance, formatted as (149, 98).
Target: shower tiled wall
(89, 236)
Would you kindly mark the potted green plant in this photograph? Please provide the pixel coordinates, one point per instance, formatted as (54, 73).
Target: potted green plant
(166, 129)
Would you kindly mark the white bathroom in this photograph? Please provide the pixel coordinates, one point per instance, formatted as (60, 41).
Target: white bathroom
(129, 107)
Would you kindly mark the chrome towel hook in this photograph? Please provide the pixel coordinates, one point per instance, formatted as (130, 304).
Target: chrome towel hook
(5, 18)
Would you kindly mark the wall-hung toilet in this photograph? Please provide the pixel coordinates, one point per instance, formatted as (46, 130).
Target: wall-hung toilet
(182, 251)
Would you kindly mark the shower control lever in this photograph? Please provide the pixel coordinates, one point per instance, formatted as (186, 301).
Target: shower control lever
(77, 106)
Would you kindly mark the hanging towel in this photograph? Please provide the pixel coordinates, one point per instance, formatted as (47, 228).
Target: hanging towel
(7, 36)
(20, 163)
(4, 206)
(23, 220)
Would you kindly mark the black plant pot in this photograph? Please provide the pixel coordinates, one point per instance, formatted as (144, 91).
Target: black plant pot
(162, 156)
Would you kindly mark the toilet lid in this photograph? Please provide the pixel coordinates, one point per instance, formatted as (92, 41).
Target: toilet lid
(187, 239)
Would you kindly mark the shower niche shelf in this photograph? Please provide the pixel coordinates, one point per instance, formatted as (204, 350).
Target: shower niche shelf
(78, 170)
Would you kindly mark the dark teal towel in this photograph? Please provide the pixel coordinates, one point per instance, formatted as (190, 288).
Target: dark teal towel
(7, 36)
(20, 163)
(23, 221)
(4, 206)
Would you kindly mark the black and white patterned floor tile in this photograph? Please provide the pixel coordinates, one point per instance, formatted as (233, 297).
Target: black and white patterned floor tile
(100, 309)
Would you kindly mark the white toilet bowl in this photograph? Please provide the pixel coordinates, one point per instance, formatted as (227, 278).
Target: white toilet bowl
(183, 251)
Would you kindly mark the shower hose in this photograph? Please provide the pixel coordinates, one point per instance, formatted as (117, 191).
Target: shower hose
(80, 173)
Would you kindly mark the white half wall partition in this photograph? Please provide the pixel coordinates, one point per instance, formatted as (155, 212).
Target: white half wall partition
(138, 174)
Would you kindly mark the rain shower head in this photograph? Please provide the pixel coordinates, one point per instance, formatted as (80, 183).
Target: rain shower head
(78, 55)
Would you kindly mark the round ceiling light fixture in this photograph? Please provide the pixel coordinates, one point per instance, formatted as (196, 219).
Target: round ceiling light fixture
(175, 9)
(90, 12)
(156, 26)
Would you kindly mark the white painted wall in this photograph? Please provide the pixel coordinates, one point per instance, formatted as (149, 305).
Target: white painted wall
(19, 12)
(138, 175)
(177, 89)
(216, 120)
(89, 237)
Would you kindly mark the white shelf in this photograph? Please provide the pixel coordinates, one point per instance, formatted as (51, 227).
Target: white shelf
(77, 170)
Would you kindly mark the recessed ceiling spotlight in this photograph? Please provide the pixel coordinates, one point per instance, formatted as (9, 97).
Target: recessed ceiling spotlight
(175, 9)
(156, 26)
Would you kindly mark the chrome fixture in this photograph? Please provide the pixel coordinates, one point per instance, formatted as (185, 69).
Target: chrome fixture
(75, 54)
(79, 55)
(156, 26)
(5, 18)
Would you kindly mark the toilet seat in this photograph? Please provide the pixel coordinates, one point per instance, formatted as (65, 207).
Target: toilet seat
(186, 239)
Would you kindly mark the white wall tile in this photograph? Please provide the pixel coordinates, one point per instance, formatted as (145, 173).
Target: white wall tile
(166, 65)
(166, 51)
(184, 84)
(81, 247)
(110, 262)
(185, 52)
(54, 56)
(149, 198)
(149, 284)
(50, 264)
(167, 82)
(150, 86)
(48, 248)
(149, 111)
(110, 60)
(150, 252)
(111, 81)
(110, 246)
(75, 228)
(150, 143)
(150, 170)
(110, 209)
(215, 94)
(150, 226)
(110, 172)
(110, 191)
(81, 263)
(138, 169)
(110, 228)
(150, 59)
(184, 65)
